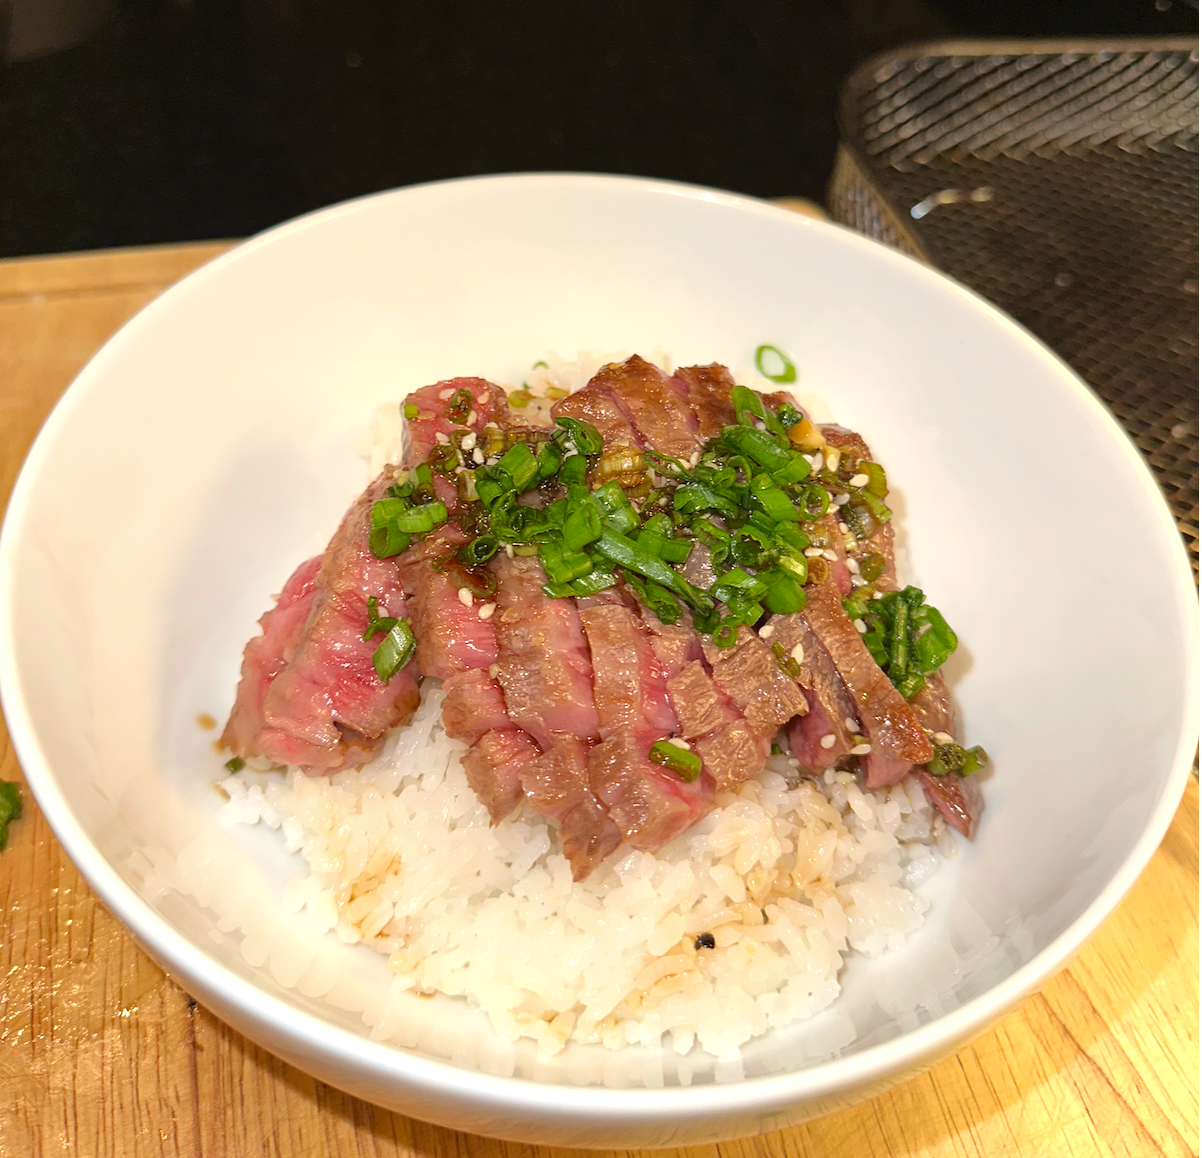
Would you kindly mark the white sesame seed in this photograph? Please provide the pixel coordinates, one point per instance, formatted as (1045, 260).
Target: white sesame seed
(850, 723)
(766, 631)
(815, 460)
(878, 595)
(469, 441)
(853, 566)
(832, 460)
(477, 456)
(843, 527)
(679, 742)
(858, 480)
(471, 418)
(942, 738)
(858, 581)
(445, 394)
(441, 439)
(830, 555)
(465, 597)
(794, 762)
(860, 626)
(486, 610)
(509, 550)
(842, 500)
(798, 653)
(812, 552)
(694, 458)
(828, 741)
(493, 669)
(861, 750)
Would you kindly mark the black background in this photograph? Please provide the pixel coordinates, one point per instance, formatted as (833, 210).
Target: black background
(173, 120)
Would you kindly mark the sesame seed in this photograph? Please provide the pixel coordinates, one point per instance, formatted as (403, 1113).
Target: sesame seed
(860, 626)
(465, 597)
(832, 460)
(858, 581)
(477, 456)
(861, 750)
(841, 500)
(509, 550)
(766, 631)
(493, 669)
(830, 555)
(859, 480)
(853, 566)
(812, 552)
(679, 742)
(441, 439)
(471, 418)
(798, 653)
(445, 394)
(469, 441)
(815, 460)
(828, 741)
(851, 724)
(843, 527)
(942, 738)
(486, 610)
(878, 595)
(694, 458)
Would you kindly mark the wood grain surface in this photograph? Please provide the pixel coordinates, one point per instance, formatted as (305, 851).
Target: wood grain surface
(101, 1054)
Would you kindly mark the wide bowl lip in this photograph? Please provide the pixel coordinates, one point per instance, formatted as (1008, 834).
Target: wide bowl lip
(311, 1034)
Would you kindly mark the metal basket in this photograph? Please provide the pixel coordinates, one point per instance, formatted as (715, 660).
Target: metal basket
(1059, 180)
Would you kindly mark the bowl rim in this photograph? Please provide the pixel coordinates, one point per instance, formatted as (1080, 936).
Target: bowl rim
(278, 1017)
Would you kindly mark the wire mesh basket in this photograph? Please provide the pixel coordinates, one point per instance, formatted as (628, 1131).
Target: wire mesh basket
(1059, 180)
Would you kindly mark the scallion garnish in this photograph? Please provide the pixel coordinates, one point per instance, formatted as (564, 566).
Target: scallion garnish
(10, 807)
(235, 765)
(783, 373)
(395, 651)
(684, 762)
(954, 758)
(906, 636)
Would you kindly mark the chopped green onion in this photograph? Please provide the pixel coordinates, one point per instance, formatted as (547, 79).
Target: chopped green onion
(659, 599)
(519, 463)
(757, 445)
(584, 435)
(684, 762)
(377, 624)
(582, 526)
(410, 411)
(234, 765)
(785, 372)
(796, 470)
(726, 634)
(561, 564)
(10, 807)
(388, 540)
(479, 550)
(617, 511)
(574, 471)
(396, 650)
(878, 484)
(784, 597)
(459, 407)
(774, 500)
(421, 520)
(815, 501)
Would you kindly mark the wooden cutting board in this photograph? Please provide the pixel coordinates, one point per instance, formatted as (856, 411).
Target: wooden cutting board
(101, 1054)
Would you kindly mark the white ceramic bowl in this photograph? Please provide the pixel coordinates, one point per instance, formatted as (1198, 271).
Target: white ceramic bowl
(210, 446)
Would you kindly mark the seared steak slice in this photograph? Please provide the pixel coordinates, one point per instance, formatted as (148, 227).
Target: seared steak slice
(557, 785)
(543, 662)
(597, 403)
(750, 675)
(708, 389)
(451, 636)
(831, 704)
(959, 798)
(494, 764)
(657, 407)
(267, 654)
(329, 687)
(887, 720)
(488, 404)
(628, 683)
(733, 753)
(473, 705)
(649, 804)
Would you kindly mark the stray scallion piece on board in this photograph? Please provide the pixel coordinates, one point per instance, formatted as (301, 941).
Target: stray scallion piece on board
(10, 807)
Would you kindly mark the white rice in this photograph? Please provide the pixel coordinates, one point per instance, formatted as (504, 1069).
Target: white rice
(788, 875)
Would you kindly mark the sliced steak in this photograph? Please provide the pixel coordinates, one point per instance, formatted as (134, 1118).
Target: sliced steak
(597, 403)
(557, 785)
(959, 798)
(649, 804)
(494, 764)
(451, 636)
(473, 705)
(543, 663)
(887, 720)
(708, 390)
(267, 654)
(433, 403)
(831, 704)
(329, 688)
(628, 683)
(750, 675)
(657, 406)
